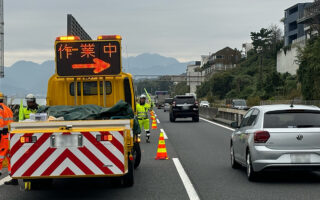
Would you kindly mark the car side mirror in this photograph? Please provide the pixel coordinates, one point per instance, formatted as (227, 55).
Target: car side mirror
(234, 125)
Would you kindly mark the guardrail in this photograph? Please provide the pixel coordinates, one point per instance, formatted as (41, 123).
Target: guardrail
(223, 115)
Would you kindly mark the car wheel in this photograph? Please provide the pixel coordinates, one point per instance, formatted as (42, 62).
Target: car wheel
(195, 119)
(251, 174)
(234, 163)
(172, 119)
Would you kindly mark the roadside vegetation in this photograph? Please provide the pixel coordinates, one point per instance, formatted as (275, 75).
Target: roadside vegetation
(255, 78)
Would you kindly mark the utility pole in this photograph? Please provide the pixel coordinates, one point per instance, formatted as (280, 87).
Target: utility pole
(1, 40)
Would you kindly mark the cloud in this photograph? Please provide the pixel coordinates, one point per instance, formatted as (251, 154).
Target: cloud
(184, 29)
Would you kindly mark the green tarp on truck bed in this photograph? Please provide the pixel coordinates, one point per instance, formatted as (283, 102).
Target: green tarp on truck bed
(121, 110)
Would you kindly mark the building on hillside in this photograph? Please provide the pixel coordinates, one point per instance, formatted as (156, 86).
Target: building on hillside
(194, 76)
(294, 38)
(245, 48)
(222, 60)
(204, 60)
(311, 19)
(292, 29)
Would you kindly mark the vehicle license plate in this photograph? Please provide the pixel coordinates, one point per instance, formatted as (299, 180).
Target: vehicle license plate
(185, 107)
(66, 140)
(300, 158)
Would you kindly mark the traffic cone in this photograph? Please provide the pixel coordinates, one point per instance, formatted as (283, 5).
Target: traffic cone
(153, 117)
(162, 151)
(154, 124)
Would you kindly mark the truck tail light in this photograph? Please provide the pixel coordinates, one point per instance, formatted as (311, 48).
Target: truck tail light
(104, 137)
(261, 136)
(28, 139)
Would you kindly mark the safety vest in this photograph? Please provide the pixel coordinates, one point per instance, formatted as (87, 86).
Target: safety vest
(6, 116)
(142, 110)
(27, 112)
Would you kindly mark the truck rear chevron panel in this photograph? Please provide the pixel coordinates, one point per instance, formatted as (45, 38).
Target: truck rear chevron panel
(92, 158)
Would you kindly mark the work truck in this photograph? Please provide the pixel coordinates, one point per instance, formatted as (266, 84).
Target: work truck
(89, 76)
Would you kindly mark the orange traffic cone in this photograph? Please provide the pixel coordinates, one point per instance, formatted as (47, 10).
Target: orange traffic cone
(162, 151)
(153, 117)
(154, 124)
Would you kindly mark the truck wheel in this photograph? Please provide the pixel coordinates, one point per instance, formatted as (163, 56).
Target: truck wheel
(136, 155)
(128, 179)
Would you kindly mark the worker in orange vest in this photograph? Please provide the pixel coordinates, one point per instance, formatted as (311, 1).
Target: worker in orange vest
(6, 117)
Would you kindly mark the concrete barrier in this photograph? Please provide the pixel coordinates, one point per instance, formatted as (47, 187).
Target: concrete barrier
(223, 115)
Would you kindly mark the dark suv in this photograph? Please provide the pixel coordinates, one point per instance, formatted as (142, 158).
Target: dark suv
(184, 106)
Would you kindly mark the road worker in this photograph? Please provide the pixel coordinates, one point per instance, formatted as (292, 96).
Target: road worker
(32, 107)
(6, 117)
(142, 112)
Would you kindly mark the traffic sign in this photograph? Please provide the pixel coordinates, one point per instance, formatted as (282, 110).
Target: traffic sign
(88, 58)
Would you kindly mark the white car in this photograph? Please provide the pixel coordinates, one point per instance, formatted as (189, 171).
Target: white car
(204, 104)
(277, 137)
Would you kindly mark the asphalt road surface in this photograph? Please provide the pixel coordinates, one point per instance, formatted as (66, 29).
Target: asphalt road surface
(198, 167)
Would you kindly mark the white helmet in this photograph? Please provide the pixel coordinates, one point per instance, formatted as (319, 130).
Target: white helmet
(143, 96)
(30, 97)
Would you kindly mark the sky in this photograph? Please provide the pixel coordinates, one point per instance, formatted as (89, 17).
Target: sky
(183, 29)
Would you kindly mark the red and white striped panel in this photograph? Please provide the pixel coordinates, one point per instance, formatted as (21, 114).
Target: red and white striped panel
(93, 158)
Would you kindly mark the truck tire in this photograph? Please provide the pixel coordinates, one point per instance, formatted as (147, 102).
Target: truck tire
(128, 179)
(136, 155)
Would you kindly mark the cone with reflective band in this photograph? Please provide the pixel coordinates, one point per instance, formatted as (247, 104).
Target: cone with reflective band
(154, 124)
(162, 151)
(153, 117)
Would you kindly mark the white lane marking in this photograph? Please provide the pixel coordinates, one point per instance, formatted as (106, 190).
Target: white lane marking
(158, 121)
(5, 179)
(155, 114)
(231, 129)
(164, 134)
(185, 180)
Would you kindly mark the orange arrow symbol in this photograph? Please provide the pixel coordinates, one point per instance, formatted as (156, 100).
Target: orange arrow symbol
(99, 65)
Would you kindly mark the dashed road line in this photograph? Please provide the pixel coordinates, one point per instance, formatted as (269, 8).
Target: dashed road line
(158, 121)
(164, 134)
(211, 122)
(192, 193)
(5, 179)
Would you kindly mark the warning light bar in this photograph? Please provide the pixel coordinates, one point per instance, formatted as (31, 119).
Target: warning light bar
(109, 37)
(67, 38)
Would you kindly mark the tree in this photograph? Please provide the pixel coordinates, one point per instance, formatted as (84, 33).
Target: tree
(309, 69)
(261, 39)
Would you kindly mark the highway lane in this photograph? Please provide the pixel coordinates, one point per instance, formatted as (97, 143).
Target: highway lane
(203, 149)
(154, 179)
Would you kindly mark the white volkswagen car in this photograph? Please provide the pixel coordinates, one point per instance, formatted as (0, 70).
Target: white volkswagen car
(277, 137)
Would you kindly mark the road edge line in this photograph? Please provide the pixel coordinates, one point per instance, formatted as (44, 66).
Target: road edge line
(158, 121)
(5, 179)
(164, 134)
(192, 193)
(231, 129)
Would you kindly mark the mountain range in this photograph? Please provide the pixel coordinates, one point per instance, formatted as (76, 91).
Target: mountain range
(25, 77)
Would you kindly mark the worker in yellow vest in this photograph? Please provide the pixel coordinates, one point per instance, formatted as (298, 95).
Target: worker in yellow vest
(143, 109)
(32, 107)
